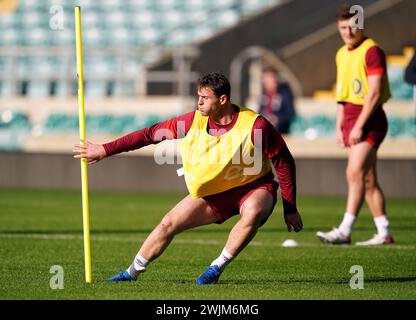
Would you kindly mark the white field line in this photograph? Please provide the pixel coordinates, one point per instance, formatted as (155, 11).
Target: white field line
(79, 237)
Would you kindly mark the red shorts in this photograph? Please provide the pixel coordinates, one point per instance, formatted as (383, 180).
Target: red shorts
(227, 204)
(375, 129)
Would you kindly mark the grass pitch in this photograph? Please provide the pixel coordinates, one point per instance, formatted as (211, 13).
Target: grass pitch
(39, 229)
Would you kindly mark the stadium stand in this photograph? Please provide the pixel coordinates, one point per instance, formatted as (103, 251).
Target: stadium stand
(396, 66)
(43, 61)
(109, 23)
(14, 127)
(37, 58)
(141, 60)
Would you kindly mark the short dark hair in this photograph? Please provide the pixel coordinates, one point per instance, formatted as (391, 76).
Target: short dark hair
(217, 82)
(343, 12)
(270, 69)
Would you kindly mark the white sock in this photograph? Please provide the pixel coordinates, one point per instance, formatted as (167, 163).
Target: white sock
(346, 225)
(382, 224)
(138, 266)
(224, 259)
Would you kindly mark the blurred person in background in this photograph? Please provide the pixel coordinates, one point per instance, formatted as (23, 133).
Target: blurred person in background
(276, 103)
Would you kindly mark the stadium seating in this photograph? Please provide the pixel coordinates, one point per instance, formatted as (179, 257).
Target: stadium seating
(313, 127)
(395, 68)
(101, 123)
(129, 24)
(14, 126)
(115, 24)
(15, 120)
(309, 127)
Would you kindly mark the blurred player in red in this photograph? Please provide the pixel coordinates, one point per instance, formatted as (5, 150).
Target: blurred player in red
(218, 189)
(362, 89)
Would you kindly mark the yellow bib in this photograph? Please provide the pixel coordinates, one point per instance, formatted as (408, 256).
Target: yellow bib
(215, 164)
(352, 83)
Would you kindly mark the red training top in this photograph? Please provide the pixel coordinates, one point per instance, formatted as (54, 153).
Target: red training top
(273, 147)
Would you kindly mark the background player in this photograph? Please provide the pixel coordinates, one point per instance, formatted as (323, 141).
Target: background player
(362, 89)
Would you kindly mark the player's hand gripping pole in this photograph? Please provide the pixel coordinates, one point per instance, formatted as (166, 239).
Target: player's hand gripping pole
(82, 135)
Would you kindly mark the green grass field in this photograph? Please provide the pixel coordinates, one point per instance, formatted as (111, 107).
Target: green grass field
(39, 229)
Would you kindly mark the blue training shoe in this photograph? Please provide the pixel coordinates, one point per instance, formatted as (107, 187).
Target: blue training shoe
(122, 276)
(211, 275)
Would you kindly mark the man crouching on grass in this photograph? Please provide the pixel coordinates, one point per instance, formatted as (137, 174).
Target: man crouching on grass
(218, 189)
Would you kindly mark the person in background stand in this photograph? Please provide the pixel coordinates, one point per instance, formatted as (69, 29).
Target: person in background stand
(276, 103)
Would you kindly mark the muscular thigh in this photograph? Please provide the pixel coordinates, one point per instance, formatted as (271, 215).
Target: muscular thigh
(229, 203)
(259, 203)
(190, 213)
(361, 156)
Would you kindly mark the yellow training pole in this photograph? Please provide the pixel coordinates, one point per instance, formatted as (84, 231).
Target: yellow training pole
(82, 135)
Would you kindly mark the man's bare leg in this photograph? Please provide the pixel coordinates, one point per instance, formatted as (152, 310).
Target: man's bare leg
(254, 210)
(360, 159)
(376, 203)
(187, 214)
(374, 196)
